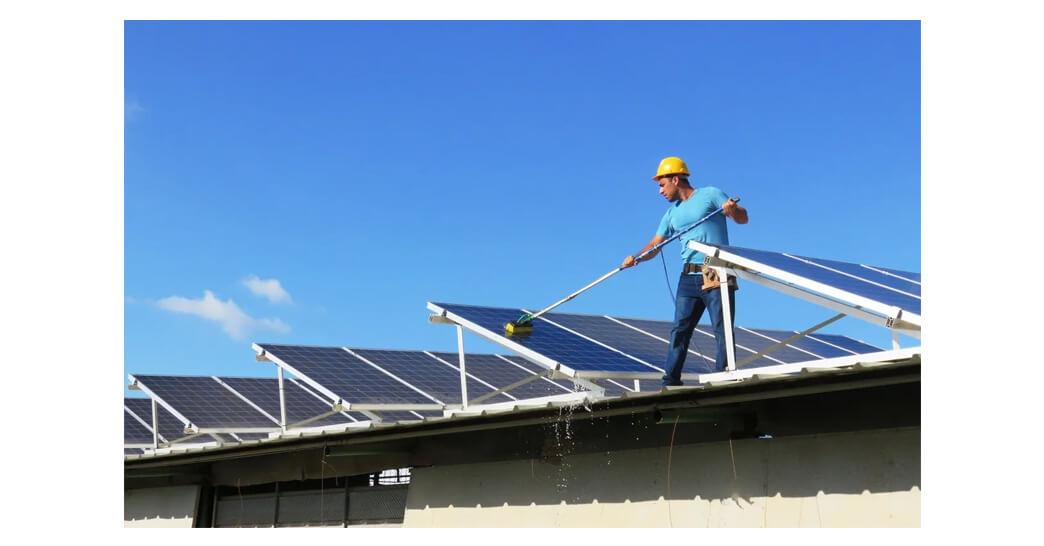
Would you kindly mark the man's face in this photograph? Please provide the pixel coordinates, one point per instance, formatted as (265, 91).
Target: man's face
(669, 187)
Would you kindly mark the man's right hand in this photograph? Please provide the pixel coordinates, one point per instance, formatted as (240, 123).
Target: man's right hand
(629, 262)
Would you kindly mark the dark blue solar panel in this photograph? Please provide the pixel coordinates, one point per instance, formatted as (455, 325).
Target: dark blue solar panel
(641, 346)
(355, 381)
(853, 345)
(300, 405)
(550, 341)
(205, 402)
(830, 278)
(170, 428)
(495, 371)
(427, 374)
(132, 451)
(134, 432)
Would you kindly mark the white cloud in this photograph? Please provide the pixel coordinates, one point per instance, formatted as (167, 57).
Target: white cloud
(268, 288)
(131, 110)
(233, 320)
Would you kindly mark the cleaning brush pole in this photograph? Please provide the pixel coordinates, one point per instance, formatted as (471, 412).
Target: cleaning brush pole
(530, 318)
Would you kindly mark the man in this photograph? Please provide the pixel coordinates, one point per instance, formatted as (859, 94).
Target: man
(697, 289)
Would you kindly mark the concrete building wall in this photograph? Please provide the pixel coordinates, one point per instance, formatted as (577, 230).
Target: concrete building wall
(160, 506)
(853, 479)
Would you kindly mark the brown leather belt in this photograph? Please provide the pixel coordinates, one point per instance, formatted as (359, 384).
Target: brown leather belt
(689, 269)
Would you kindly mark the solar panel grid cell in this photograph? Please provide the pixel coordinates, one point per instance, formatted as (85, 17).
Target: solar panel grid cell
(204, 402)
(427, 374)
(639, 345)
(134, 432)
(348, 377)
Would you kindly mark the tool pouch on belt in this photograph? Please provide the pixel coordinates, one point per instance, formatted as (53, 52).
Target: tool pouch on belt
(711, 280)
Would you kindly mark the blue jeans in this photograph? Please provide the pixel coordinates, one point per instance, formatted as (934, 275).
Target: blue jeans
(688, 308)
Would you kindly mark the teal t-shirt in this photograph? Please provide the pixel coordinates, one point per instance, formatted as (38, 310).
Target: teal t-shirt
(682, 214)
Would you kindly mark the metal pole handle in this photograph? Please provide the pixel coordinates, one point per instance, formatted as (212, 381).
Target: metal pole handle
(637, 258)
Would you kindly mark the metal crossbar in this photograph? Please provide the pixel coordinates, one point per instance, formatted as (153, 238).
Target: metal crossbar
(794, 337)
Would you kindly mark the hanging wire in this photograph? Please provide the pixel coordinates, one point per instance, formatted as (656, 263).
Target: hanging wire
(667, 278)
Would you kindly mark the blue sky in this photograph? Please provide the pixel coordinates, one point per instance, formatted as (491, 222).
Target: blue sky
(370, 167)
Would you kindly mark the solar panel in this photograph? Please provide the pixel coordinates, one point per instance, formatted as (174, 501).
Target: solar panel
(427, 374)
(134, 432)
(204, 402)
(336, 372)
(170, 428)
(869, 285)
(132, 451)
(644, 342)
(300, 405)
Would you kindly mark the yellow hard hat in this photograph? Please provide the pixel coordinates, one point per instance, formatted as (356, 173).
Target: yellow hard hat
(670, 166)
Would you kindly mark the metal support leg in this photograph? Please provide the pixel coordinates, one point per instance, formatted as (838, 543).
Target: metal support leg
(282, 401)
(726, 318)
(155, 425)
(463, 372)
(895, 340)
